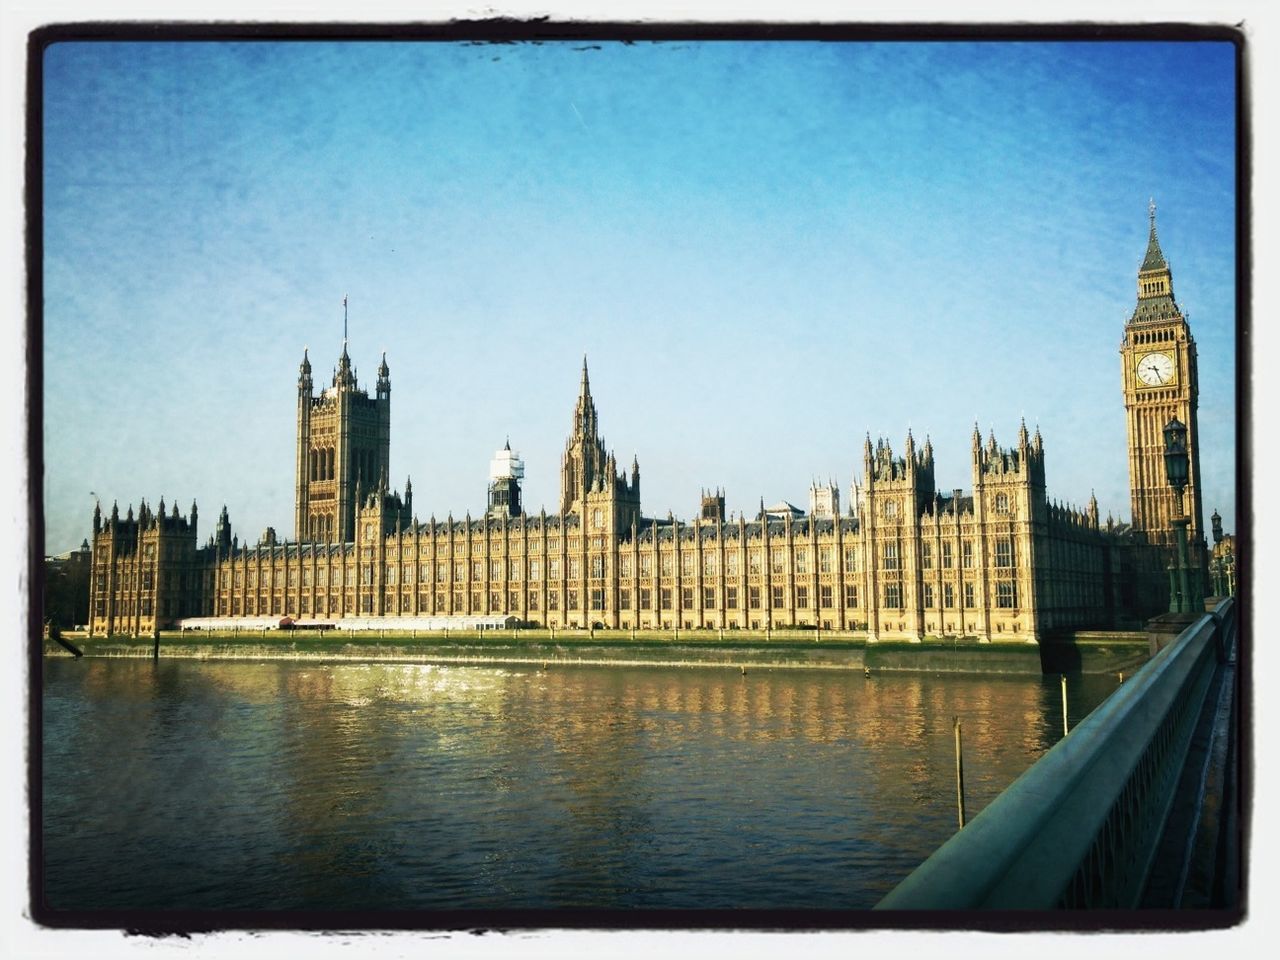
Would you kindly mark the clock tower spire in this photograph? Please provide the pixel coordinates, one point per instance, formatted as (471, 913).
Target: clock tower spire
(1159, 376)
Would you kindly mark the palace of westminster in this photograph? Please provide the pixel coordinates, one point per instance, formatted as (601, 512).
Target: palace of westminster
(907, 560)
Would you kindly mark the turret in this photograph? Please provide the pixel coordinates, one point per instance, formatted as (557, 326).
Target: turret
(506, 475)
(222, 531)
(344, 375)
(384, 378)
(711, 506)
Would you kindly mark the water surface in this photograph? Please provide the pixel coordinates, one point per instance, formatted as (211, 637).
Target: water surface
(279, 785)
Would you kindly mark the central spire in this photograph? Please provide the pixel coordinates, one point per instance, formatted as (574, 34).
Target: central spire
(586, 466)
(585, 412)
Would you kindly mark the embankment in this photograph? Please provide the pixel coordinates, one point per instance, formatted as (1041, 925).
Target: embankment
(1069, 654)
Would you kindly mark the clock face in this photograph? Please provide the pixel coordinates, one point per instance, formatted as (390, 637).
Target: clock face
(1155, 369)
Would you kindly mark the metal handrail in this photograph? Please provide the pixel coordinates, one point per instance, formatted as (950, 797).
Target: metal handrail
(1079, 828)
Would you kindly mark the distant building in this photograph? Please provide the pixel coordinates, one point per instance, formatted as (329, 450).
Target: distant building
(824, 500)
(712, 505)
(506, 472)
(66, 587)
(1000, 561)
(1222, 563)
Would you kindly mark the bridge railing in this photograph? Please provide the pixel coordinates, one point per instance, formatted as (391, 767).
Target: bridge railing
(1079, 828)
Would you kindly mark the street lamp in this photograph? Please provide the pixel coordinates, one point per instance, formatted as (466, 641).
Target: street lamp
(1219, 589)
(1176, 466)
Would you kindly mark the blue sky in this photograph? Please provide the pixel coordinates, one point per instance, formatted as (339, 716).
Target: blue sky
(766, 250)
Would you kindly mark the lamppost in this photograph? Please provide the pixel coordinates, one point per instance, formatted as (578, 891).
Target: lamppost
(1218, 589)
(1181, 599)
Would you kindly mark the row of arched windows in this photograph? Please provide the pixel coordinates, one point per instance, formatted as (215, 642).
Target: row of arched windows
(364, 462)
(322, 464)
(320, 528)
(1155, 336)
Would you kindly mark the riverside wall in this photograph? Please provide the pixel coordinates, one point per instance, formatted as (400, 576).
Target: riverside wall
(1097, 653)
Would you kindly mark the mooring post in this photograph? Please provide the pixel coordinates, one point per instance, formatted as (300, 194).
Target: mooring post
(959, 770)
(1064, 704)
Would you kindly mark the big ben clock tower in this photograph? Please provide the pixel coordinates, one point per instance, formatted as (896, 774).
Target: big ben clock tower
(1158, 359)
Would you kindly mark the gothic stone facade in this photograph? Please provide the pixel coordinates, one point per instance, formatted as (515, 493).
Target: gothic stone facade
(1002, 563)
(909, 560)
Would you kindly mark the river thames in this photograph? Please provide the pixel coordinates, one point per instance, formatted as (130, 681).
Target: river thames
(305, 786)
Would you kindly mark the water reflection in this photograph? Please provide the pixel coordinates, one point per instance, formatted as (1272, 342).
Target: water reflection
(277, 785)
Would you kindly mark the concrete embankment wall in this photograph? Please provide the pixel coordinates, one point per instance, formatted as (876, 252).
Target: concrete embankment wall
(1095, 652)
(1091, 653)
(986, 658)
(488, 652)
(1073, 653)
